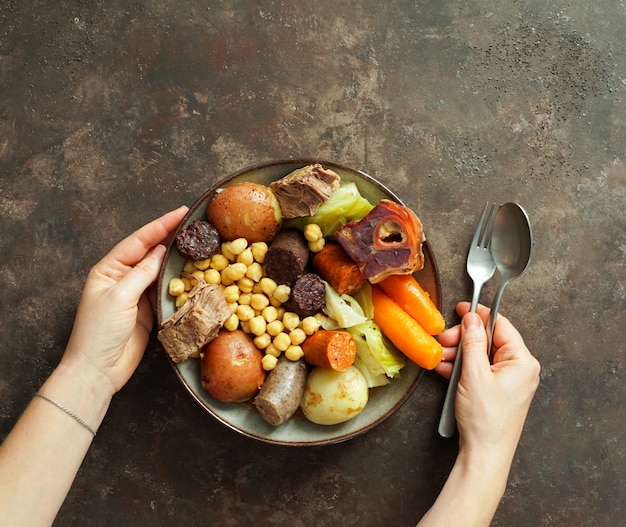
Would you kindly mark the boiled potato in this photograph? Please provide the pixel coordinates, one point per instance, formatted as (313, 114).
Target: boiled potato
(332, 397)
(245, 210)
(231, 368)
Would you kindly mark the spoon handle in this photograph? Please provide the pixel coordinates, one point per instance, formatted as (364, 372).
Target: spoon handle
(493, 314)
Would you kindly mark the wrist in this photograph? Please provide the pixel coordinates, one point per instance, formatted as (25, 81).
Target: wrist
(488, 468)
(86, 393)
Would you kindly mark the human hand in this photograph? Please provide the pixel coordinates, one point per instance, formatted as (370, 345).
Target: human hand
(492, 400)
(115, 315)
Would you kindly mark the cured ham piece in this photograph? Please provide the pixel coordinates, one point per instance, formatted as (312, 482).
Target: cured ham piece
(387, 241)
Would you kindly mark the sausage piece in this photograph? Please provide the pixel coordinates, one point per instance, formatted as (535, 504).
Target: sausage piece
(308, 295)
(198, 241)
(282, 391)
(287, 256)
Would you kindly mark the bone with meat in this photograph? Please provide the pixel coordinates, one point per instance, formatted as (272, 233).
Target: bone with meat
(387, 241)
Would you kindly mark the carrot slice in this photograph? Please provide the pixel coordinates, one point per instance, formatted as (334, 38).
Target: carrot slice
(334, 349)
(405, 332)
(406, 291)
(338, 269)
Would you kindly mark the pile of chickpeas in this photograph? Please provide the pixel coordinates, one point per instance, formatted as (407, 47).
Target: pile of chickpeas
(255, 299)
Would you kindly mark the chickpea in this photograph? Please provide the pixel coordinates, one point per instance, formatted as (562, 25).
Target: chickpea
(187, 283)
(203, 265)
(231, 293)
(282, 341)
(269, 362)
(212, 276)
(245, 299)
(219, 262)
(236, 271)
(245, 284)
(263, 341)
(198, 275)
(238, 246)
(231, 323)
(317, 245)
(226, 252)
(225, 278)
(297, 336)
(257, 325)
(245, 313)
(176, 287)
(290, 320)
(310, 325)
(254, 271)
(282, 292)
(181, 299)
(294, 353)
(273, 350)
(259, 302)
(270, 313)
(189, 267)
(313, 232)
(275, 327)
(246, 257)
(268, 286)
(258, 251)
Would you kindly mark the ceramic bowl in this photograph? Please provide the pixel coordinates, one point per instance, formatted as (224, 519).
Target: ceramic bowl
(243, 417)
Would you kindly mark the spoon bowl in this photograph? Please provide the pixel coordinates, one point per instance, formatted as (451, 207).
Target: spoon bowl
(511, 248)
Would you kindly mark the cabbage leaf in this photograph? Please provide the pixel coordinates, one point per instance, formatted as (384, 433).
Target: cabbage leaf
(345, 204)
(344, 309)
(377, 359)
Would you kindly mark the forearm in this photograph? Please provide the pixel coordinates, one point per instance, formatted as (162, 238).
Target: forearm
(42, 454)
(471, 493)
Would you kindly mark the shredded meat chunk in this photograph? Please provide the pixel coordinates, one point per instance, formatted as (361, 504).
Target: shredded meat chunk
(302, 191)
(195, 323)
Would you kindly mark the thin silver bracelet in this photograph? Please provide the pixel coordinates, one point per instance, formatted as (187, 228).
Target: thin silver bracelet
(67, 411)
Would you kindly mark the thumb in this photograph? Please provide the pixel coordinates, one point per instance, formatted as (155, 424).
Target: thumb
(140, 277)
(474, 343)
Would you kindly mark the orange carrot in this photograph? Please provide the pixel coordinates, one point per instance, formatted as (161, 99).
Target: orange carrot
(405, 291)
(334, 349)
(338, 269)
(405, 332)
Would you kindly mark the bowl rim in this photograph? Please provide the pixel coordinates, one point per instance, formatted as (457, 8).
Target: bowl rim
(193, 210)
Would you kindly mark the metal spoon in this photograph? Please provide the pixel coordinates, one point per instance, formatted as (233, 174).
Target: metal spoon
(511, 248)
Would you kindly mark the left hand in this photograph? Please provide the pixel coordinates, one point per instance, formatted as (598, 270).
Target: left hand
(115, 315)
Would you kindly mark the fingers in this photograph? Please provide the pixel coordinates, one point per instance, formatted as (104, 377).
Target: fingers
(132, 249)
(474, 342)
(142, 275)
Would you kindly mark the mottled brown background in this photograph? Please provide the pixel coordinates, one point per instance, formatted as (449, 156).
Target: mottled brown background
(113, 112)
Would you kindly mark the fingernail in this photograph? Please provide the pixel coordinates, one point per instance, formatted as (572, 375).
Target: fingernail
(472, 321)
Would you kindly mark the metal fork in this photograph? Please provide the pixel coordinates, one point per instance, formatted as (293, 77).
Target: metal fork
(480, 267)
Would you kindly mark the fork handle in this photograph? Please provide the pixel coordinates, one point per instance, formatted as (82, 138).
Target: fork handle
(447, 422)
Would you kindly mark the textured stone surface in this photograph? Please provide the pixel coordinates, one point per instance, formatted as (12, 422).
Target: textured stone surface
(115, 112)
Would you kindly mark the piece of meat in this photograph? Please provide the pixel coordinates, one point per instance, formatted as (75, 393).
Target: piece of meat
(282, 391)
(308, 295)
(286, 256)
(195, 323)
(302, 191)
(386, 241)
(198, 241)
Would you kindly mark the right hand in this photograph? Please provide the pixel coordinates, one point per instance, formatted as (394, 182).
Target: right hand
(492, 400)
